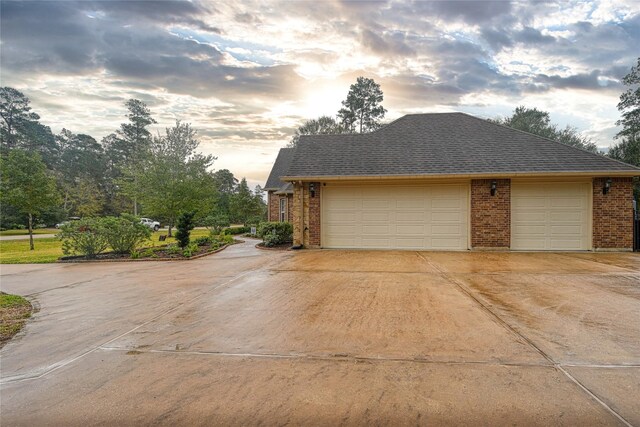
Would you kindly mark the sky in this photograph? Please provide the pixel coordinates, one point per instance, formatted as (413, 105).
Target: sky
(246, 74)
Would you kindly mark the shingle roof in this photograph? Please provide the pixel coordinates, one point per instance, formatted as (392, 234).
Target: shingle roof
(442, 144)
(280, 167)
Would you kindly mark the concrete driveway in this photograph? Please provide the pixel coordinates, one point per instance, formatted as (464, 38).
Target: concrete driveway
(329, 337)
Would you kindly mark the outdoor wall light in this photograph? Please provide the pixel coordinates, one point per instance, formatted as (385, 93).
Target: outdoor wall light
(494, 185)
(312, 189)
(607, 186)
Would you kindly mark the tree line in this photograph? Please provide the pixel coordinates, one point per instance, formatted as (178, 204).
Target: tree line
(47, 178)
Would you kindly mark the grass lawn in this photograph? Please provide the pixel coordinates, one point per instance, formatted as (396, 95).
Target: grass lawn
(26, 232)
(14, 312)
(50, 249)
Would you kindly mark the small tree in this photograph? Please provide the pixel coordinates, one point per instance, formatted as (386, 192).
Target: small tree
(184, 226)
(245, 204)
(175, 178)
(215, 223)
(27, 185)
(362, 106)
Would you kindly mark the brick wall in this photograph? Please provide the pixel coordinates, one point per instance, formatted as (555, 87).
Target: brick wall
(306, 231)
(273, 206)
(273, 201)
(613, 214)
(490, 215)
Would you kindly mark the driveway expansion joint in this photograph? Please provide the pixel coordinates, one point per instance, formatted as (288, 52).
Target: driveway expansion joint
(465, 290)
(338, 357)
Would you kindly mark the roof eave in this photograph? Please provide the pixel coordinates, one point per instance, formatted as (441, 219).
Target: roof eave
(574, 174)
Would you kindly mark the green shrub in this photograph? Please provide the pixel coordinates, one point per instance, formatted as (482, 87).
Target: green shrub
(191, 249)
(215, 223)
(86, 237)
(149, 253)
(184, 226)
(125, 233)
(271, 239)
(203, 241)
(275, 233)
(173, 249)
(135, 254)
(226, 240)
(236, 230)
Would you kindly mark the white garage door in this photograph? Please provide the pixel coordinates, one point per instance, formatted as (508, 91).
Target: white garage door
(550, 216)
(395, 217)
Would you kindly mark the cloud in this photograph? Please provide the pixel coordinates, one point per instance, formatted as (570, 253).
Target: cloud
(393, 44)
(247, 73)
(471, 12)
(38, 35)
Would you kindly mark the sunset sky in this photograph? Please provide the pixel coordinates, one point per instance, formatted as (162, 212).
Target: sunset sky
(245, 74)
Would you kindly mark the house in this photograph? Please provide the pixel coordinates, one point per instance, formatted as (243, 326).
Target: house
(451, 182)
(280, 193)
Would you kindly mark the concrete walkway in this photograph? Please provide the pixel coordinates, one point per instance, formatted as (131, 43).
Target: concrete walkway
(328, 337)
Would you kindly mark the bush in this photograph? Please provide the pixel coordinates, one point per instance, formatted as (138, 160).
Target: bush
(191, 249)
(173, 249)
(125, 233)
(223, 239)
(275, 233)
(215, 223)
(86, 237)
(236, 230)
(271, 239)
(184, 226)
(203, 241)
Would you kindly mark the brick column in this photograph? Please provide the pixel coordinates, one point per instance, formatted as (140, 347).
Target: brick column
(613, 214)
(298, 226)
(313, 223)
(490, 215)
(290, 207)
(306, 221)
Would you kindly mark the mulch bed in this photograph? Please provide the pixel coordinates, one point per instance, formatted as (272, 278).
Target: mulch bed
(281, 247)
(159, 254)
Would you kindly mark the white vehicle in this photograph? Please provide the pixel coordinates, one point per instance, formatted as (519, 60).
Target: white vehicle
(71, 218)
(154, 225)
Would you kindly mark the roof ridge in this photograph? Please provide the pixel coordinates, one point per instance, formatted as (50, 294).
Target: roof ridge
(549, 139)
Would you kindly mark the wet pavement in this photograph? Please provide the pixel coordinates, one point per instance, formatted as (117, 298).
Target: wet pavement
(328, 337)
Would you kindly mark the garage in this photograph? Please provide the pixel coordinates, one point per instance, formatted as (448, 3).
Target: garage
(550, 216)
(451, 181)
(395, 217)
